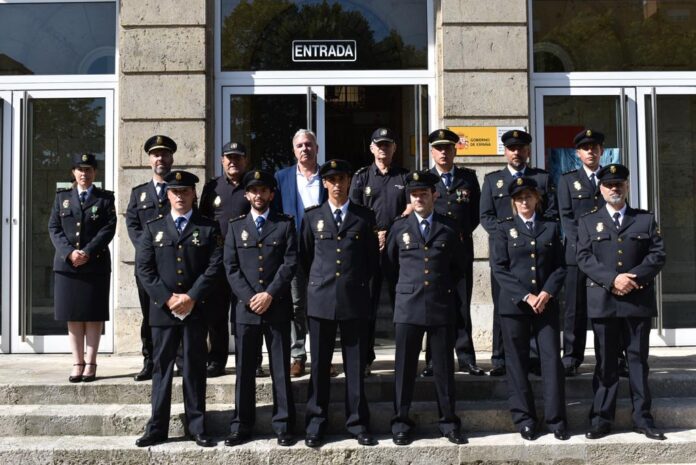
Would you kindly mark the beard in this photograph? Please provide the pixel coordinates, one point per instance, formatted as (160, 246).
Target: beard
(616, 199)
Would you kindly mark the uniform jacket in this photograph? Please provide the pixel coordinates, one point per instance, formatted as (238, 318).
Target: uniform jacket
(427, 274)
(384, 194)
(604, 252)
(89, 227)
(461, 202)
(222, 202)
(167, 262)
(143, 206)
(287, 188)
(339, 263)
(525, 262)
(256, 263)
(576, 196)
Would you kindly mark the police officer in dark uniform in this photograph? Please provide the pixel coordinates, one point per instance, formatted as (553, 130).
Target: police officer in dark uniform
(527, 261)
(148, 201)
(620, 250)
(222, 200)
(496, 205)
(340, 253)
(458, 197)
(179, 261)
(426, 258)
(260, 261)
(380, 186)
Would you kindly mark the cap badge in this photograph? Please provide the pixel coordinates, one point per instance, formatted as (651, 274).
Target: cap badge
(588, 133)
(368, 191)
(600, 227)
(234, 145)
(217, 201)
(383, 132)
(499, 184)
(257, 175)
(577, 185)
(519, 181)
(160, 141)
(612, 169)
(244, 235)
(66, 203)
(515, 134)
(406, 237)
(333, 164)
(320, 225)
(441, 134)
(513, 233)
(85, 157)
(159, 236)
(178, 175)
(416, 177)
(143, 196)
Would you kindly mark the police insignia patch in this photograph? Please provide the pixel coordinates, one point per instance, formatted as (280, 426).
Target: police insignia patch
(513, 233)
(333, 164)
(577, 185)
(178, 176)
(85, 157)
(233, 146)
(406, 238)
(257, 175)
(416, 177)
(383, 132)
(159, 236)
(320, 225)
(66, 203)
(519, 181)
(499, 184)
(143, 196)
(612, 168)
(244, 235)
(515, 134)
(217, 201)
(600, 227)
(588, 133)
(160, 141)
(368, 191)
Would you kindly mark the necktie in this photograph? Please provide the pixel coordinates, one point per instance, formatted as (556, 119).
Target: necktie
(83, 196)
(162, 191)
(447, 179)
(593, 181)
(260, 220)
(518, 174)
(179, 223)
(425, 230)
(617, 215)
(338, 217)
(530, 226)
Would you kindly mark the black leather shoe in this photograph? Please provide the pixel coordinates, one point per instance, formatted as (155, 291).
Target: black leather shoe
(203, 441)
(651, 433)
(313, 440)
(561, 434)
(236, 438)
(76, 378)
(427, 371)
(597, 432)
(93, 376)
(497, 371)
(623, 370)
(145, 373)
(260, 373)
(214, 370)
(401, 439)
(570, 371)
(149, 440)
(286, 439)
(535, 367)
(456, 437)
(366, 439)
(528, 433)
(472, 369)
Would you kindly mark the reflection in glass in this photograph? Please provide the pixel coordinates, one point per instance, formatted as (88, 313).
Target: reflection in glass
(614, 35)
(676, 169)
(258, 34)
(57, 38)
(57, 130)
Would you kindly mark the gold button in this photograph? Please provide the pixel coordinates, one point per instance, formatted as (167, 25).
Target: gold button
(620, 263)
(500, 195)
(532, 255)
(77, 233)
(260, 281)
(620, 239)
(178, 259)
(533, 268)
(338, 273)
(449, 203)
(426, 259)
(533, 281)
(179, 284)
(160, 215)
(427, 271)
(260, 244)
(426, 283)
(425, 248)
(78, 223)
(338, 261)
(260, 257)
(181, 246)
(533, 242)
(77, 245)
(338, 238)
(260, 268)
(620, 252)
(179, 271)
(338, 250)
(357, 236)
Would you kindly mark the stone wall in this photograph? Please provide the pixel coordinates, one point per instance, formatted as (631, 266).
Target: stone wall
(483, 81)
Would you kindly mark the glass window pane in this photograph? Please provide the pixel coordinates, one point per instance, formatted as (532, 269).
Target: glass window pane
(258, 34)
(57, 38)
(614, 35)
(58, 129)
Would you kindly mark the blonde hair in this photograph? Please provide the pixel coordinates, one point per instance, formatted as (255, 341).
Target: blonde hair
(536, 195)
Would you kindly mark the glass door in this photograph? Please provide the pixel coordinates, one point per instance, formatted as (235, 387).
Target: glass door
(5, 170)
(49, 128)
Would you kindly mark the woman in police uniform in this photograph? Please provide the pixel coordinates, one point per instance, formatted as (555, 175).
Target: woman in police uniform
(528, 263)
(81, 226)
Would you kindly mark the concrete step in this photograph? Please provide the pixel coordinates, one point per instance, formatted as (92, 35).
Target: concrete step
(126, 420)
(379, 388)
(483, 448)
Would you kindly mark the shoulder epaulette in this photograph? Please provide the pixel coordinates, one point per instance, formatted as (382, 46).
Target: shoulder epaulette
(570, 172)
(400, 217)
(140, 185)
(285, 216)
(362, 170)
(590, 212)
(240, 217)
(494, 172)
(312, 207)
(159, 218)
(503, 220)
(640, 210)
(63, 189)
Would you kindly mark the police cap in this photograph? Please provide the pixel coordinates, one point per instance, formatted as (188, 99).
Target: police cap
(612, 173)
(180, 178)
(85, 159)
(421, 180)
(258, 178)
(588, 136)
(234, 148)
(335, 166)
(160, 142)
(383, 135)
(443, 137)
(520, 184)
(516, 137)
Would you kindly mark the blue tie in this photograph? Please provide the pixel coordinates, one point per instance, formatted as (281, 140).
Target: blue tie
(338, 217)
(260, 220)
(162, 191)
(426, 229)
(179, 223)
(447, 179)
(83, 196)
(518, 174)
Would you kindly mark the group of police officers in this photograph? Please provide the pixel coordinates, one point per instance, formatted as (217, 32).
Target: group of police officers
(413, 233)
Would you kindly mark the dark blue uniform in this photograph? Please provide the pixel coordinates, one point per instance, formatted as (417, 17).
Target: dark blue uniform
(188, 263)
(430, 279)
(256, 263)
(82, 293)
(525, 262)
(339, 264)
(496, 205)
(576, 196)
(603, 252)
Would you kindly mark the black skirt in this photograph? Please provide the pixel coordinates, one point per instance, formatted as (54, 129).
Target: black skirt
(81, 297)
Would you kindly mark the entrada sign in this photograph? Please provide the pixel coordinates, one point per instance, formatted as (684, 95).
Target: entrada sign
(324, 50)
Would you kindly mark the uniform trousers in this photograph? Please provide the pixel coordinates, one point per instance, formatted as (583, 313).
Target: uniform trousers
(636, 334)
(298, 328)
(218, 319)
(408, 339)
(378, 280)
(248, 338)
(322, 336)
(166, 340)
(145, 329)
(575, 319)
(517, 332)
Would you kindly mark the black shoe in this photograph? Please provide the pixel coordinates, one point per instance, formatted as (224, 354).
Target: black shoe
(456, 437)
(472, 369)
(286, 439)
(145, 373)
(497, 371)
(401, 439)
(214, 370)
(260, 373)
(366, 439)
(178, 372)
(597, 432)
(535, 367)
(427, 371)
(561, 434)
(93, 376)
(651, 433)
(570, 371)
(528, 433)
(149, 440)
(203, 441)
(76, 378)
(236, 438)
(313, 440)
(368, 370)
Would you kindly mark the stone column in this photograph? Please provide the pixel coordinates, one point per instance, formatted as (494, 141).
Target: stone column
(163, 89)
(483, 80)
